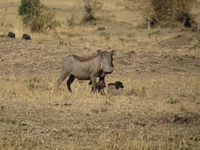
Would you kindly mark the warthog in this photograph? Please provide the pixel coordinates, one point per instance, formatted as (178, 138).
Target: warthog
(86, 68)
(101, 84)
(100, 87)
(113, 87)
(26, 37)
(11, 35)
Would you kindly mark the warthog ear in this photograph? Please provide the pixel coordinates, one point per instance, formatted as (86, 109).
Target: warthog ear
(98, 52)
(114, 52)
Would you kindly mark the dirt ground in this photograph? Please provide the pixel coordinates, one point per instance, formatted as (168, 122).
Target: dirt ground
(158, 109)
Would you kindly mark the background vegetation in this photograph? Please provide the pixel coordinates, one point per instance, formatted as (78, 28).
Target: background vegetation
(35, 18)
(174, 11)
(159, 12)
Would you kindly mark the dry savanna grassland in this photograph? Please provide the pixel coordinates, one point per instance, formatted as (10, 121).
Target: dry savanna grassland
(158, 109)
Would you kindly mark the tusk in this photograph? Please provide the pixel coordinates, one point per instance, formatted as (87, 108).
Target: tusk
(101, 66)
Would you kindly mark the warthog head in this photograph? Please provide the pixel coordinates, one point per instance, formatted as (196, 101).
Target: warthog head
(118, 85)
(107, 61)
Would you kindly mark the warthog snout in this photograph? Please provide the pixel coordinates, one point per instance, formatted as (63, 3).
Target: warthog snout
(108, 70)
(107, 62)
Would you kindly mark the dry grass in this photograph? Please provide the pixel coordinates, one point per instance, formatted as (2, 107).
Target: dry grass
(157, 109)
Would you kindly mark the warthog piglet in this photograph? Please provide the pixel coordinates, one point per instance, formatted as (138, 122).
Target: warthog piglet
(113, 87)
(11, 35)
(26, 37)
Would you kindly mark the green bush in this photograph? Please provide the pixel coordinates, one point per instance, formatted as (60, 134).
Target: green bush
(90, 7)
(35, 18)
(23, 8)
(27, 5)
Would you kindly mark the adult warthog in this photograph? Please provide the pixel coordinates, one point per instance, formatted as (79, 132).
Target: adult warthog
(86, 68)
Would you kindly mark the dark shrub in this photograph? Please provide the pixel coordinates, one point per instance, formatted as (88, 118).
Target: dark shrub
(170, 11)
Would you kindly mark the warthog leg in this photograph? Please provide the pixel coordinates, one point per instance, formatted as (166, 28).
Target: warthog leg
(69, 82)
(93, 80)
(62, 78)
